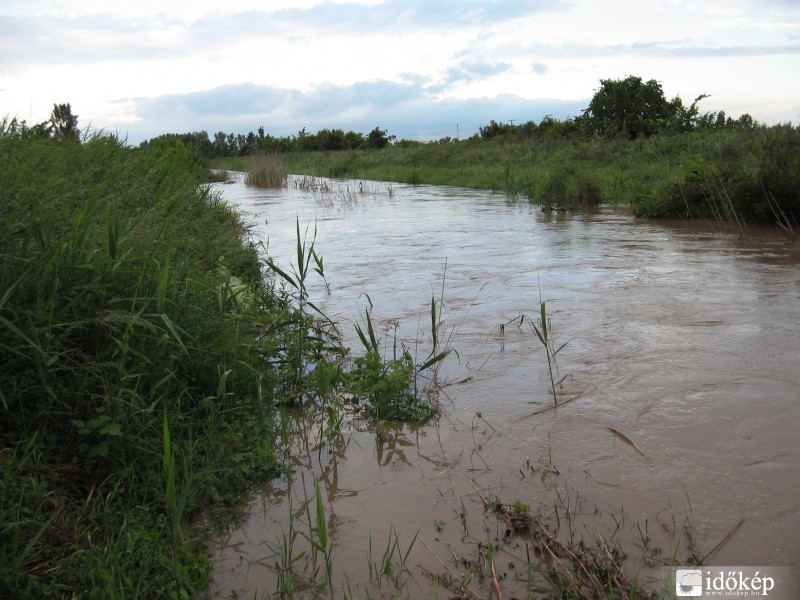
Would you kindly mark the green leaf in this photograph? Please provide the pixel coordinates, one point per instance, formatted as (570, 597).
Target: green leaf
(112, 429)
(430, 362)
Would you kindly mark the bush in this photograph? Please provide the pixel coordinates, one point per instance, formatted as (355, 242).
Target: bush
(568, 187)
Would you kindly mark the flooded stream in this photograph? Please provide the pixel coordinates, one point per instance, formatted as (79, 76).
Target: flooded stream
(679, 419)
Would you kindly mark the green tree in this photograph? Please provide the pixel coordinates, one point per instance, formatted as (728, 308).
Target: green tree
(63, 124)
(629, 106)
(378, 138)
(495, 129)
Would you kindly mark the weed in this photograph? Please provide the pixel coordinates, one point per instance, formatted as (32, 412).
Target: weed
(392, 563)
(544, 332)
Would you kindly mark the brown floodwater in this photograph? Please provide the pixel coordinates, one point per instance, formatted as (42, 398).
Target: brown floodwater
(678, 418)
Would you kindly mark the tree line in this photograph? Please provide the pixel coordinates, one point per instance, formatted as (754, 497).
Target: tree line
(62, 125)
(230, 144)
(629, 107)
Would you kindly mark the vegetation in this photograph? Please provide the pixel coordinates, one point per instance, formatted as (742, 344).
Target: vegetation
(631, 147)
(728, 174)
(236, 145)
(266, 171)
(147, 358)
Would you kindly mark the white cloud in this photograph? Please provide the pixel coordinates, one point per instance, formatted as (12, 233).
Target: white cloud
(252, 62)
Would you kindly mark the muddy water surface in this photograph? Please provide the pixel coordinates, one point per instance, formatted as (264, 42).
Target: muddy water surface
(678, 420)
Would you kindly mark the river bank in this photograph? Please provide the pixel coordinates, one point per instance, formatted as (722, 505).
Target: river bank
(731, 175)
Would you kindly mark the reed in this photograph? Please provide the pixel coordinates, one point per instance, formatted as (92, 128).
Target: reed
(544, 332)
(392, 563)
(266, 171)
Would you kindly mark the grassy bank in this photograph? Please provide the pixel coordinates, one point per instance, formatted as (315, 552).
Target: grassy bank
(752, 173)
(135, 322)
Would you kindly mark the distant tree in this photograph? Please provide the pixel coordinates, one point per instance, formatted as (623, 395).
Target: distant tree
(495, 129)
(232, 145)
(329, 139)
(63, 124)
(220, 144)
(683, 118)
(378, 138)
(354, 140)
(746, 121)
(250, 144)
(629, 106)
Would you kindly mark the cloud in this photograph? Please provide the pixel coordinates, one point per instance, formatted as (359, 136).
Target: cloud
(695, 51)
(56, 38)
(29, 41)
(664, 49)
(539, 68)
(471, 70)
(417, 14)
(404, 109)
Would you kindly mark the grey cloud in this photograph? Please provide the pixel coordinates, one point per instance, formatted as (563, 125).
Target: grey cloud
(472, 70)
(404, 109)
(397, 16)
(26, 40)
(690, 51)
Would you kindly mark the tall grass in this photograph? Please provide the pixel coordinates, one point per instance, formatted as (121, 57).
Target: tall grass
(544, 331)
(132, 370)
(265, 171)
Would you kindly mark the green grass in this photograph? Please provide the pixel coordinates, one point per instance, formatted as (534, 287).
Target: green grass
(134, 324)
(646, 174)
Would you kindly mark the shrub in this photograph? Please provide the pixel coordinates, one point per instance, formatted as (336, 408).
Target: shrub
(568, 187)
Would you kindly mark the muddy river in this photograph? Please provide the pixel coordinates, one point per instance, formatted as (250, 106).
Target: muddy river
(678, 429)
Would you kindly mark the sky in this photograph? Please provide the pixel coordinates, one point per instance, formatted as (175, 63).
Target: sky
(420, 69)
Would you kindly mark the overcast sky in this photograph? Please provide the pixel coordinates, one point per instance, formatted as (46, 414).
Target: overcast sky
(422, 69)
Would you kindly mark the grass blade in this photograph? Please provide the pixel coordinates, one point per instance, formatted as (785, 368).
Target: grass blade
(625, 439)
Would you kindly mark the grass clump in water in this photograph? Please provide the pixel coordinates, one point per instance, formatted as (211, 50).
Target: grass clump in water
(266, 171)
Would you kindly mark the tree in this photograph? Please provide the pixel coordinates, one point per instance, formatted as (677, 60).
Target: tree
(63, 124)
(495, 129)
(629, 106)
(221, 143)
(378, 138)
